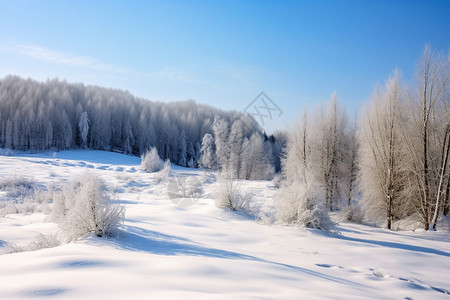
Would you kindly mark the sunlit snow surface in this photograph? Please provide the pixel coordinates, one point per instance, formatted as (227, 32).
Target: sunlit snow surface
(203, 252)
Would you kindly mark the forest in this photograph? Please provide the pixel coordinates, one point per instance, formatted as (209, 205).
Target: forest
(59, 115)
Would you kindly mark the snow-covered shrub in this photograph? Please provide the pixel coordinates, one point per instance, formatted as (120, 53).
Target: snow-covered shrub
(267, 214)
(40, 242)
(17, 187)
(301, 205)
(9, 208)
(164, 173)
(229, 195)
(22, 195)
(150, 161)
(43, 241)
(85, 206)
(353, 213)
(62, 201)
(11, 248)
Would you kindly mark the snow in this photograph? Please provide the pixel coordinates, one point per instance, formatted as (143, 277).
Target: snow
(203, 252)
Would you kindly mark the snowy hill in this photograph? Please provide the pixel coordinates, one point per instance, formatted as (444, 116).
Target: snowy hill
(203, 252)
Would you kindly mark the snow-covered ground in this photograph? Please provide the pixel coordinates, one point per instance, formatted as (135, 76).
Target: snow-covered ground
(203, 252)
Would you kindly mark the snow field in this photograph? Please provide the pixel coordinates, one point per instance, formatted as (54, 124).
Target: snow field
(203, 252)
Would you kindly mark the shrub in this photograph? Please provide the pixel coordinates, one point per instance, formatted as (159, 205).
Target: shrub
(40, 242)
(300, 204)
(164, 173)
(23, 195)
(351, 213)
(151, 162)
(84, 206)
(229, 195)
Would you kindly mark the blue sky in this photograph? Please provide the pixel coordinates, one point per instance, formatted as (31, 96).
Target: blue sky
(223, 53)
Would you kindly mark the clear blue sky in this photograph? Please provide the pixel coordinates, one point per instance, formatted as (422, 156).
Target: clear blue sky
(223, 53)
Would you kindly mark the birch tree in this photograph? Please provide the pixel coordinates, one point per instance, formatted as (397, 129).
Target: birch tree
(328, 155)
(426, 138)
(381, 151)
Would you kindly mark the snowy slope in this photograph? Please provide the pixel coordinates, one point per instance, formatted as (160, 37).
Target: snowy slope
(203, 252)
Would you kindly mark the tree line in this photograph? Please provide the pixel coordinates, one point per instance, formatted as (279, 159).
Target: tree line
(60, 115)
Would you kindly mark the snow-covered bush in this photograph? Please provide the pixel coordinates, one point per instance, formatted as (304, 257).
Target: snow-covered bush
(8, 208)
(164, 173)
(40, 242)
(9, 248)
(44, 241)
(85, 206)
(229, 195)
(22, 195)
(301, 205)
(353, 213)
(151, 162)
(17, 187)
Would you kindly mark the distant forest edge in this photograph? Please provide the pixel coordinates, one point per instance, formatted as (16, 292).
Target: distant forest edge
(51, 115)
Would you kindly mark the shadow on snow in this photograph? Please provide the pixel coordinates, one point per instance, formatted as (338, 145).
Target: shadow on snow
(394, 245)
(138, 239)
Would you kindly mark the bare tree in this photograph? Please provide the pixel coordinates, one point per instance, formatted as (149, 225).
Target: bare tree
(425, 139)
(299, 197)
(350, 168)
(328, 143)
(381, 151)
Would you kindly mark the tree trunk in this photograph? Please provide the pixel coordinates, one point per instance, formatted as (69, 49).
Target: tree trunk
(445, 153)
(389, 213)
(446, 209)
(426, 187)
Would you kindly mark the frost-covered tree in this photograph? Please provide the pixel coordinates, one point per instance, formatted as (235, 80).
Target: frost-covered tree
(299, 197)
(190, 154)
(182, 148)
(278, 140)
(382, 153)
(83, 127)
(9, 134)
(255, 162)
(208, 152)
(198, 154)
(221, 131)
(426, 136)
(350, 166)
(128, 139)
(327, 141)
(235, 140)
